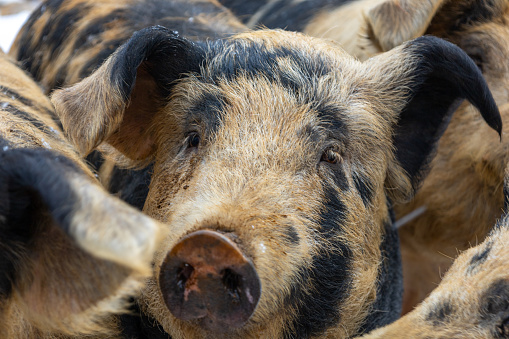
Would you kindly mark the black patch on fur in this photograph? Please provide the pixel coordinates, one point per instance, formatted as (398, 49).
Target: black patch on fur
(292, 235)
(330, 116)
(54, 33)
(207, 109)
(177, 15)
(444, 77)
(287, 14)
(86, 37)
(479, 258)
(32, 184)
(61, 25)
(329, 274)
(465, 14)
(364, 187)
(441, 313)
(107, 48)
(41, 126)
(132, 186)
(495, 300)
(387, 306)
(244, 9)
(27, 102)
(255, 60)
(165, 55)
(138, 325)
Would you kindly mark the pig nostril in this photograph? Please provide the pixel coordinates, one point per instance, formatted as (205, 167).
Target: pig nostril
(231, 281)
(183, 274)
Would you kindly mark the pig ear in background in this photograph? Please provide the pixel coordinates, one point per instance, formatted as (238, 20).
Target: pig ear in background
(393, 22)
(433, 76)
(117, 103)
(66, 246)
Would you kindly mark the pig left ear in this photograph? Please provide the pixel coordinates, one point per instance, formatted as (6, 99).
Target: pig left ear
(118, 102)
(433, 77)
(392, 22)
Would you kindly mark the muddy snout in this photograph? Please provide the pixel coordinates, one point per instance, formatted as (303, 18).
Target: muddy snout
(206, 277)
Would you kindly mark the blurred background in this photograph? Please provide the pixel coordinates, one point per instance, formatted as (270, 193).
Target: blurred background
(13, 14)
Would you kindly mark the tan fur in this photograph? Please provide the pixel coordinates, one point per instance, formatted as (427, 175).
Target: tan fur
(71, 63)
(63, 289)
(219, 187)
(463, 191)
(368, 27)
(464, 305)
(462, 194)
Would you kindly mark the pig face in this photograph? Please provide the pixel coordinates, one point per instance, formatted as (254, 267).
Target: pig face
(275, 158)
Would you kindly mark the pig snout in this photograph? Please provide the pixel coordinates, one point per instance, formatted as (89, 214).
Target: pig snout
(206, 277)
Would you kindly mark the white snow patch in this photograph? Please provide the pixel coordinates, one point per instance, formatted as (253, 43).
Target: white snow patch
(9, 27)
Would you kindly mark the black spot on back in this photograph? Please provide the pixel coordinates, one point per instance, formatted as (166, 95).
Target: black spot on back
(86, 37)
(318, 309)
(495, 300)
(29, 118)
(287, 14)
(479, 258)
(60, 27)
(13, 95)
(107, 48)
(441, 313)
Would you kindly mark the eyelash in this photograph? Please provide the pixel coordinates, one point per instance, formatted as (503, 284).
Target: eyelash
(331, 156)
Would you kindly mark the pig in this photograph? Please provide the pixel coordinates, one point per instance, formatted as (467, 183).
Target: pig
(472, 300)
(70, 253)
(446, 215)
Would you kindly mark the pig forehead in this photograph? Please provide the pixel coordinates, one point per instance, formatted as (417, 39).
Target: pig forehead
(258, 103)
(257, 77)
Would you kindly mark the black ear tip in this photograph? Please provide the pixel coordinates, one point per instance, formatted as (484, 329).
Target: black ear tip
(492, 117)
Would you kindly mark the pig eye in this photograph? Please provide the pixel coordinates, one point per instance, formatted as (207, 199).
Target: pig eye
(193, 140)
(331, 156)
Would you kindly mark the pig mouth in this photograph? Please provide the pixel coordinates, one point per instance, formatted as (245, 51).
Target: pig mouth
(207, 279)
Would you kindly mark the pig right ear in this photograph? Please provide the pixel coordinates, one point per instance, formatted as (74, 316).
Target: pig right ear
(118, 102)
(393, 22)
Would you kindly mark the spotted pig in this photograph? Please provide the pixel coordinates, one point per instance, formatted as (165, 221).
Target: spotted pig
(462, 196)
(70, 254)
(274, 159)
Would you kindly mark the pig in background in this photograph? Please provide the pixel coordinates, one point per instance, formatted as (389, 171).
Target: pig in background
(70, 253)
